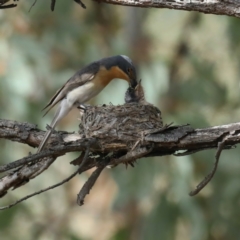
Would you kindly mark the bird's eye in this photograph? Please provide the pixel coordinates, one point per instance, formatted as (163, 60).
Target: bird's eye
(129, 70)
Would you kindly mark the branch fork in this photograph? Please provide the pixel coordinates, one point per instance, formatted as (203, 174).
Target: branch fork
(110, 135)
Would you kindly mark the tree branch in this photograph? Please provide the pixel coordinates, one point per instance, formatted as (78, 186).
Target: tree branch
(115, 134)
(53, 186)
(218, 7)
(3, 6)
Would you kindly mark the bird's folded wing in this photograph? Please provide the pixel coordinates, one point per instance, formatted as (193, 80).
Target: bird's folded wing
(79, 79)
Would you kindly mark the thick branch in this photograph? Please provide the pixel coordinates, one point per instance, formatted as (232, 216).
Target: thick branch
(4, 6)
(168, 141)
(218, 7)
(121, 134)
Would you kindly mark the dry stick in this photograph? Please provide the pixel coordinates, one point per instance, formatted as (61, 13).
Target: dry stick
(209, 177)
(8, 6)
(80, 3)
(3, 1)
(126, 159)
(93, 178)
(53, 186)
(35, 157)
(25, 160)
(53, 2)
(32, 5)
(89, 184)
(188, 152)
(2, 6)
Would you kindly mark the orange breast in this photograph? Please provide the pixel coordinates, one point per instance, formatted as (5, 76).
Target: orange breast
(105, 76)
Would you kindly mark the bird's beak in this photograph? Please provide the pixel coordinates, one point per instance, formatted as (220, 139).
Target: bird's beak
(132, 78)
(133, 82)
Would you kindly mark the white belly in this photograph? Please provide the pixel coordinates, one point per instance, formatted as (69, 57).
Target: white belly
(83, 93)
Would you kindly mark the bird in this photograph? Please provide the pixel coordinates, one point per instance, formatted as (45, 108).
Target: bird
(87, 83)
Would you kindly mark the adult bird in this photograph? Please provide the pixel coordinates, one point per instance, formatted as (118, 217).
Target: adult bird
(87, 83)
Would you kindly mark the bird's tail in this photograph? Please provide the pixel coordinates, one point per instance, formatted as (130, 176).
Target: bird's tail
(62, 110)
(47, 135)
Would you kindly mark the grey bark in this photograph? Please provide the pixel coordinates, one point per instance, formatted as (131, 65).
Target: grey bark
(218, 7)
(122, 134)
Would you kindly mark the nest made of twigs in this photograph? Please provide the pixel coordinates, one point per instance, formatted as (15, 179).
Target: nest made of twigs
(123, 123)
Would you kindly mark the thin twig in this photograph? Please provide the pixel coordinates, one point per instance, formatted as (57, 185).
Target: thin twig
(3, 2)
(80, 3)
(32, 5)
(189, 152)
(53, 2)
(89, 184)
(8, 6)
(131, 156)
(56, 151)
(41, 191)
(53, 186)
(209, 177)
(25, 160)
(2, 6)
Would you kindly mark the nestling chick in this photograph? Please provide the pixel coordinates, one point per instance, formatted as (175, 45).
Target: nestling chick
(135, 94)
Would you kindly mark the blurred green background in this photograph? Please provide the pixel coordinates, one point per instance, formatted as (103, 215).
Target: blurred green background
(189, 65)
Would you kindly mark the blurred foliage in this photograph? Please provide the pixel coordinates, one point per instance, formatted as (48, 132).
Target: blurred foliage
(189, 64)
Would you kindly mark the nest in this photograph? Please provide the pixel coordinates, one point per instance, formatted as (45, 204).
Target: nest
(124, 123)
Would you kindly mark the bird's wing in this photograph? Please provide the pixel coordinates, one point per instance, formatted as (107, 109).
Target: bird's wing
(77, 80)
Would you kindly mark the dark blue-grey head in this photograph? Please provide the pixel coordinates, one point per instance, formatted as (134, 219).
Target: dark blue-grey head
(122, 66)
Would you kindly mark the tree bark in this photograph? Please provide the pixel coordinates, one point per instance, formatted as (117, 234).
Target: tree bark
(218, 7)
(121, 134)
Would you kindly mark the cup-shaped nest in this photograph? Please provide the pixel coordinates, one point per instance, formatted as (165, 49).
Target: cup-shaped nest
(123, 123)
